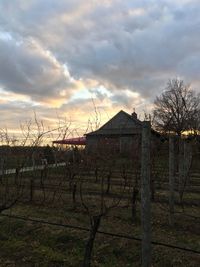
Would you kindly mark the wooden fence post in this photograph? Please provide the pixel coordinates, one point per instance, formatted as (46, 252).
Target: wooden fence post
(181, 169)
(2, 168)
(31, 189)
(146, 195)
(33, 161)
(187, 159)
(171, 180)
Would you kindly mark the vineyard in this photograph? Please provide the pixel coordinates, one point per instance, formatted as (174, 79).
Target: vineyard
(63, 213)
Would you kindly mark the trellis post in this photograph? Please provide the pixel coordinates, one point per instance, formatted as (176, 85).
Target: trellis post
(146, 195)
(171, 180)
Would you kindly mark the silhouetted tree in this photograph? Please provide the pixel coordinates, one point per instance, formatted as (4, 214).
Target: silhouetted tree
(177, 108)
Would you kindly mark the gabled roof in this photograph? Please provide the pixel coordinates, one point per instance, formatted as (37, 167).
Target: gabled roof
(121, 123)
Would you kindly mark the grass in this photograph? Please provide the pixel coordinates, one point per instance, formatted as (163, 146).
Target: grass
(34, 244)
(44, 245)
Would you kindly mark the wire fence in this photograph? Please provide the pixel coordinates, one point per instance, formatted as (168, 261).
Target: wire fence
(99, 232)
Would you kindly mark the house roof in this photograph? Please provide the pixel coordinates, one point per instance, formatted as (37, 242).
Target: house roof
(121, 124)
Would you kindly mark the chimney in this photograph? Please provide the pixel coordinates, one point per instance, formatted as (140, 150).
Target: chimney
(134, 115)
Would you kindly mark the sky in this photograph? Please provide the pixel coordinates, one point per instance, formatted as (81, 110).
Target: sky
(83, 61)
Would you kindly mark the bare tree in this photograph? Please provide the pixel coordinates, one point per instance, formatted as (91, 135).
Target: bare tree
(177, 108)
(100, 204)
(18, 153)
(10, 192)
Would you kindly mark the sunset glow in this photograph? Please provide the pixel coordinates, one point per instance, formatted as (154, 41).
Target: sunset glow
(74, 59)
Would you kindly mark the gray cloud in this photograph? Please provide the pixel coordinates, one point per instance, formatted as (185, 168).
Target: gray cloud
(28, 69)
(123, 45)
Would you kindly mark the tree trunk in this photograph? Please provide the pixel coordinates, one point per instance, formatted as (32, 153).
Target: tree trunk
(96, 174)
(134, 198)
(152, 184)
(108, 182)
(90, 243)
(31, 189)
(16, 175)
(2, 169)
(74, 195)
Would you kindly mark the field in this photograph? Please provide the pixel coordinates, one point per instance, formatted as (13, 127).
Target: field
(42, 227)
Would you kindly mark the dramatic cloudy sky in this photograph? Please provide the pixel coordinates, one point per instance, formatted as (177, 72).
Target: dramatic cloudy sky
(60, 58)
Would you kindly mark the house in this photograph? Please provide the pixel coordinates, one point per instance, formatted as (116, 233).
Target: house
(122, 133)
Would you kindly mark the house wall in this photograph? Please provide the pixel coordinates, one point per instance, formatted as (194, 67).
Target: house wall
(91, 143)
(117, 144)
(130, 144)
(102, 144)
(125, 143)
